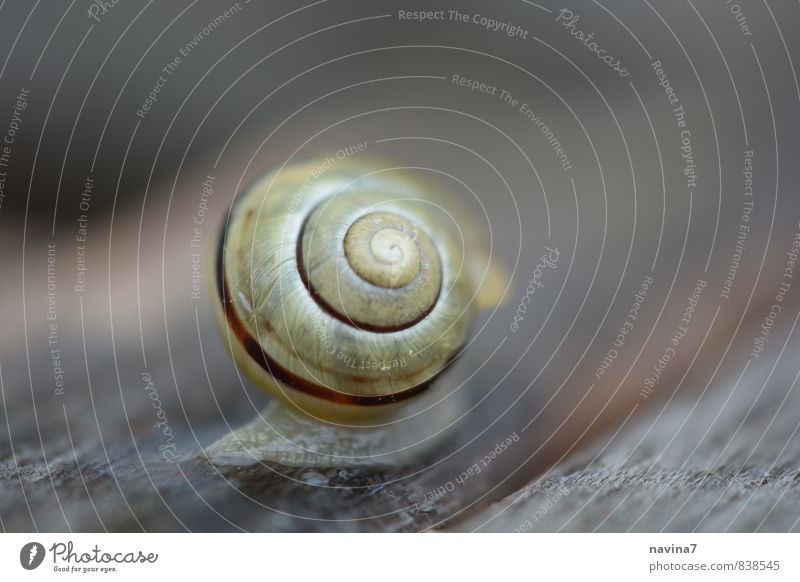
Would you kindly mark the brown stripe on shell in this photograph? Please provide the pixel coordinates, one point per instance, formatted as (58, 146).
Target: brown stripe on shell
(276, 370)
(330, 310)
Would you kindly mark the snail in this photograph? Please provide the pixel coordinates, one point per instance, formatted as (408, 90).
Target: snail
(345, 289)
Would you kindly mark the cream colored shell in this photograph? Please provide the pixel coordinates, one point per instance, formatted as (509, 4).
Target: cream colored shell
(349, 289)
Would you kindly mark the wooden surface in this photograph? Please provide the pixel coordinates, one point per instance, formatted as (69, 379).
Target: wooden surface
(725, 461)
(729, 461)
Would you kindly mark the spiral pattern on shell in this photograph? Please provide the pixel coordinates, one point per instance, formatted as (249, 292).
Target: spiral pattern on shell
(344, 292)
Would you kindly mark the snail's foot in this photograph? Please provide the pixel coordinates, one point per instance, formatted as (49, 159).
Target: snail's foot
(279, 435)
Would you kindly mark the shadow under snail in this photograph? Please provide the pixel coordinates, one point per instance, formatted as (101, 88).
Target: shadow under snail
(345, 290)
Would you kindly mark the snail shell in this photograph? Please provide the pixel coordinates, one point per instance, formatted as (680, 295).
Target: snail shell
(347, 288)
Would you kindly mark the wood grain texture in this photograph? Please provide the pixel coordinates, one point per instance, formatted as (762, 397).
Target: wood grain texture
(728, 461)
